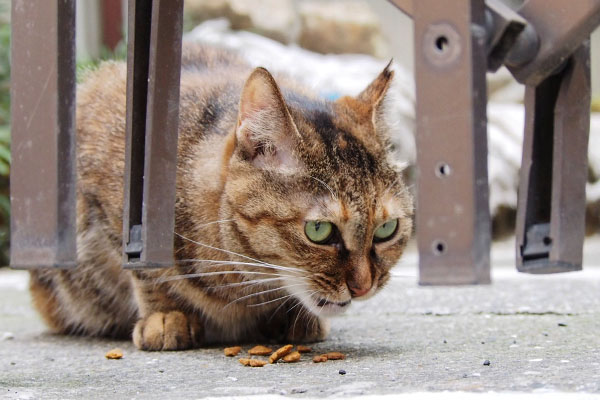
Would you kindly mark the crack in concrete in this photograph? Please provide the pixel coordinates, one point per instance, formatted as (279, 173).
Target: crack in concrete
(503, 314)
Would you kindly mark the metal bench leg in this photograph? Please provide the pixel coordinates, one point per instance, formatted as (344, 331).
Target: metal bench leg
(551, 206)
(42, 181)
(153, 72)
(453, 221)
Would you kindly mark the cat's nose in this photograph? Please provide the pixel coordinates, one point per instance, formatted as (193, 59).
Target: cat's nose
(356, 290)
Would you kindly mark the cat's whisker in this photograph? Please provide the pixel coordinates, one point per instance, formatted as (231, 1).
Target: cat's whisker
(245, 283)
(235, 254)
(214, 222)
(335, 197)
(223, 262)
(262, 292)
(288, 296)
(299, 303)
(302, 310)
(213, 273)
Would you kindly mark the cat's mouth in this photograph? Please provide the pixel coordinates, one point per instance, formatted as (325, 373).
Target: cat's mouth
(331, 307)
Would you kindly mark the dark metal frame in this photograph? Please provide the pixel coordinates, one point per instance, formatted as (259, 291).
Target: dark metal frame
(153, 70)
(543, 43)
(42, 181)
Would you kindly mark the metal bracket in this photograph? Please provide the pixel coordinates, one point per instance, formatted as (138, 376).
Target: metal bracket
(551, 205)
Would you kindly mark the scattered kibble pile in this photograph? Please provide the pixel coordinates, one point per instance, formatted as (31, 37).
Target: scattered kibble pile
(284, 354)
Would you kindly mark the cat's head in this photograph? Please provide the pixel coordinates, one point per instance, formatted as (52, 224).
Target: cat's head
(310, 186)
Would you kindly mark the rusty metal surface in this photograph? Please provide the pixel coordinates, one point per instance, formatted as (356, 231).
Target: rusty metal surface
(551, 205)
(154, 62)
(43, 83)
(561, 27)
(453, 221)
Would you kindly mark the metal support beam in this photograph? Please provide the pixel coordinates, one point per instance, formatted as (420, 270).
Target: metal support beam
(42, 182)
(453, 221)
(551, 206)
(153, 72)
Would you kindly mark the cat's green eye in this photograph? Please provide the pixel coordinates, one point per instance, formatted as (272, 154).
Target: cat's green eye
(318, 231)
(386, 231)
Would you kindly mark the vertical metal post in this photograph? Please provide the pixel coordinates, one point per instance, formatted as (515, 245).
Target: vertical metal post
(551, 206)
(453, 221)
(42, 178)
(154, 62)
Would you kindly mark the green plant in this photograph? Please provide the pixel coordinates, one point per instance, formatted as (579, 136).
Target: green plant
(4, 140)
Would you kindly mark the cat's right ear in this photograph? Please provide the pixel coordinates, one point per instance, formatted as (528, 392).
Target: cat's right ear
(265, 131)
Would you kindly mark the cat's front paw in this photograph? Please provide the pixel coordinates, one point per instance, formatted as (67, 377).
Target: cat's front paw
(167, 331)
(311, 330)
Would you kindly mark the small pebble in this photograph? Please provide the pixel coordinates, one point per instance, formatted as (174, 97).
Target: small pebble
(545, 333)
(562, 324)
(161, 370)
(342, 372)
(445, 341)
(486, 362)
(13, 363)
(482, 342)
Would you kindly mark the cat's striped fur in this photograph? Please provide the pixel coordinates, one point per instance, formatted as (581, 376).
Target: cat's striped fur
(256, 160)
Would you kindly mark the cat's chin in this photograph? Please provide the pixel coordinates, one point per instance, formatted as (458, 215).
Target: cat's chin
(327, 308)
(321, 306)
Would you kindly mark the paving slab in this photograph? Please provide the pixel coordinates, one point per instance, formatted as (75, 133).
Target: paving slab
(521, 334)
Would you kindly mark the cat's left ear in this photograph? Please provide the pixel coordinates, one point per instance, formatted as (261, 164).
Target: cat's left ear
(375, 93)
(266, 134)
(375, 99)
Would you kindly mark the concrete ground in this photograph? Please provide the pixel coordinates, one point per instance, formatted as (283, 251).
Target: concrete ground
(540, 334)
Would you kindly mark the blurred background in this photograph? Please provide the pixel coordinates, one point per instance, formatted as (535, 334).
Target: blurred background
(334, 46)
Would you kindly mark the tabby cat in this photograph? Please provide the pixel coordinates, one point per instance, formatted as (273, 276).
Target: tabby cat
(288, 208)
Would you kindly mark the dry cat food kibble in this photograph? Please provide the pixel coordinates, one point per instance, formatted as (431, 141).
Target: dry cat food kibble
(303, 349)
(292, 357)
(334, 355)
(114, 354)
(320, 359)
(280, 352)
(250, 362)
(260, 351)
(232, 351)
(283, 353)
